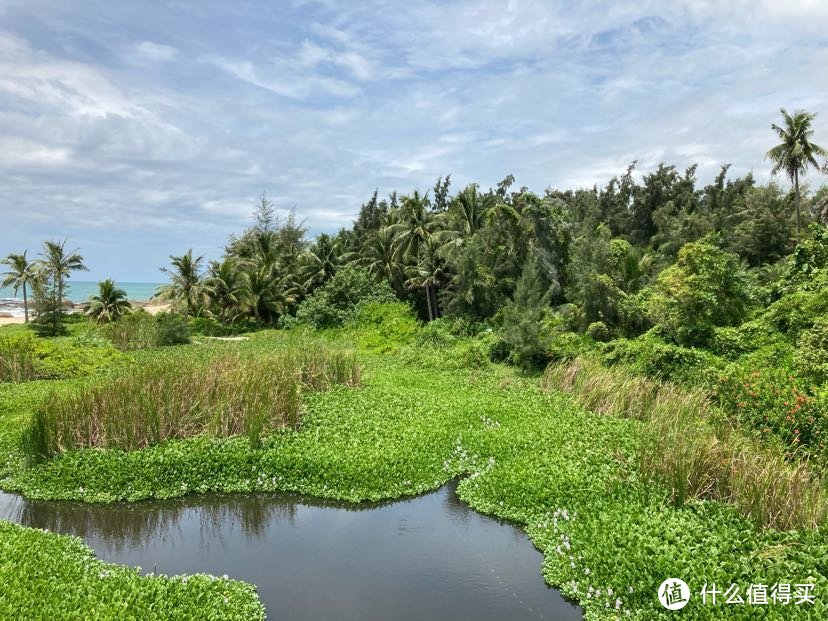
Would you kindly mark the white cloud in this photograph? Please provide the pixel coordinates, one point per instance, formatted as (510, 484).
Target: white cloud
(155, 52)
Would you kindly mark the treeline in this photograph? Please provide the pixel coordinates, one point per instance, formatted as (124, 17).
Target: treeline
(606, 260)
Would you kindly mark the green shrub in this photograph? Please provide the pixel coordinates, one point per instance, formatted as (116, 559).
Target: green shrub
(171, 329)
(732, 342)
(435, 334)
(656, 359)
(24, 357)
(762, 395)
(335, 302)
(796, 312)
(682, 450)
(598, 331)
(705, 288)
(383, 326)
(140, 330)
(811, 354)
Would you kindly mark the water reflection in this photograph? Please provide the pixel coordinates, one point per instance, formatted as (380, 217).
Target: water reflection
(430, 557)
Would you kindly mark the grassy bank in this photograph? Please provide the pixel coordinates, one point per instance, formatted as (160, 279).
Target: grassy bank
(686, 445)
(531, 455)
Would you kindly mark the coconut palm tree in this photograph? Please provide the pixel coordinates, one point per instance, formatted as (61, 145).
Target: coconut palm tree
(320, 263)
(796, 153)
(22, 273)
(412, 228)
(227, 287)
(378, 257)
(186, 285)
(60, 264)
(268, 293)
(57, 265)
(109, 303)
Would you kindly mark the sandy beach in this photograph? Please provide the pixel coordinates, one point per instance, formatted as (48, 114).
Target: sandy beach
(151, 307)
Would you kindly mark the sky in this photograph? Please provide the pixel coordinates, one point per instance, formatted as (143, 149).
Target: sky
(139, 129)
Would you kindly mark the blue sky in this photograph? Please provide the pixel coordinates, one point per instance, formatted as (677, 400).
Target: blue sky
(139, 129)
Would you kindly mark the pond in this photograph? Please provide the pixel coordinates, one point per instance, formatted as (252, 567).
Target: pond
(430, 557)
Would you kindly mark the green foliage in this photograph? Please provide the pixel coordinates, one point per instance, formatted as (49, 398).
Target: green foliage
(811, 356)
(598, 331)
(653, 358)
(183, 396)
(334, 303)
(140, 330)
(522, 322)
(24, 357)
(680, 448)
(383, 326)
(763, 395)
(171, 329)
(109, 303)
(49, 576)
(809, 259)
(705, 288)
(17, 359)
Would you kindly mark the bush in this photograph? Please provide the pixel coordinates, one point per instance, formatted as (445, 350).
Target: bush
(682, 450)
(335, 302)
(598, 331)
(705, 288)
(764, 396)
(140, 330)
(811, 354)
(25, 357)
(656, 359)
(383, 326)
(171, 329)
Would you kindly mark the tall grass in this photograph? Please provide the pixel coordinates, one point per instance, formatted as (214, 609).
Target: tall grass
(681, 449)
(17, 359)
(176, 397)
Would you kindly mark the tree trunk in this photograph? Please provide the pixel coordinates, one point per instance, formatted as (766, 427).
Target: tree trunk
(25, 305)
(428, 302)
(796, 193)
(434, 300)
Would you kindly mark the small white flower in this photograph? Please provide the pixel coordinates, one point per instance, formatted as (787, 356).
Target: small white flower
(586, 571)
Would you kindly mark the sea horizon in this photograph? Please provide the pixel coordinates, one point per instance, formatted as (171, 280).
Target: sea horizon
(78, 292)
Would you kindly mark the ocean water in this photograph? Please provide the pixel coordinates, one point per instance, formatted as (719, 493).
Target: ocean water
(78, 291)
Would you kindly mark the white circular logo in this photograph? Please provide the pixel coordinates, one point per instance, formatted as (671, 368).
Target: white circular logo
(674, 594)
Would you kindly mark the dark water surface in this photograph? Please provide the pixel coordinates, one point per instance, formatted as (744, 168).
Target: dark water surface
(430, 557)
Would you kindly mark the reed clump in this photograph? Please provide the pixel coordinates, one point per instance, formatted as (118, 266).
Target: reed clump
(17, 359)
(695, 459)
(176, 397)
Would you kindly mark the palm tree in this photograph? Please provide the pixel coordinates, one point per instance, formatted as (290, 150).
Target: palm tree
(60, 264)
(796, 153)
(412, 228)
(186, 286)
(320, 262)
(227, 287)
(109, 303)
(428, 274)
(22, 272)
(378, 257)
(268, 293)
